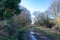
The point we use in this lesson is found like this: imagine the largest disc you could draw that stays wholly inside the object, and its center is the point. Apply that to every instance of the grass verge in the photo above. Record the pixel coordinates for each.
(48, 33)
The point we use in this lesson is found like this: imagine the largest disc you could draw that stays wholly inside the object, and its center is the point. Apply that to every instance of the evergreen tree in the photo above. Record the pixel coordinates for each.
(8, 8)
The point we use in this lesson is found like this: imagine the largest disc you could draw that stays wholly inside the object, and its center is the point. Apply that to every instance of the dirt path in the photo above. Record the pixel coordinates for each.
(35, 35)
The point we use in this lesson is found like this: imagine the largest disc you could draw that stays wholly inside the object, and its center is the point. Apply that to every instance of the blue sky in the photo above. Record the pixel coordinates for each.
(36, 5)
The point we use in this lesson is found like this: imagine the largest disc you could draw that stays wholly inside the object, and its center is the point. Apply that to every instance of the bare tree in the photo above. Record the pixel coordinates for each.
(23, 19)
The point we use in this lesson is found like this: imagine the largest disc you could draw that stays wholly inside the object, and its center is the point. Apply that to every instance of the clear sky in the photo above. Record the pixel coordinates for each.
(36, 5)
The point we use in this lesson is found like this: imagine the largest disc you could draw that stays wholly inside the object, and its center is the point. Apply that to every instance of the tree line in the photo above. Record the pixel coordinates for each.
(50, 18)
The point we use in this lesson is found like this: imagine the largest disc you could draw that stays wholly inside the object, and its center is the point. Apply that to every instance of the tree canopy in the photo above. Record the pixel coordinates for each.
(8, 8)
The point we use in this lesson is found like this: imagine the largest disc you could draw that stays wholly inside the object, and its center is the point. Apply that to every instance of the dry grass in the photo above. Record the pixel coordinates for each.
(48, 32)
